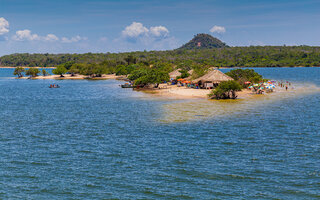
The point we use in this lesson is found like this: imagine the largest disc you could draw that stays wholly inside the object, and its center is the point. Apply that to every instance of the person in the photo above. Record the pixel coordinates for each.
(286, 87)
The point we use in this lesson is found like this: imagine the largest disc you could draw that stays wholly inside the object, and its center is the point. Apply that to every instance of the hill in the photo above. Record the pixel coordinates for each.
(204, 41)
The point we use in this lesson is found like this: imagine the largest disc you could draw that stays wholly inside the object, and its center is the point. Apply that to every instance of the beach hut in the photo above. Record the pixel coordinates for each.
(174, 74)
(212, 79)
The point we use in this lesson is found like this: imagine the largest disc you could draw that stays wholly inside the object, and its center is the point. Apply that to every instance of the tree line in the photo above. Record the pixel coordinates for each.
(253, 56)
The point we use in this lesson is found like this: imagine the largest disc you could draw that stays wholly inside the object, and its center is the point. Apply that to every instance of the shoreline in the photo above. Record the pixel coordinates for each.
(8, 67)
(174, 92)
(77, 77)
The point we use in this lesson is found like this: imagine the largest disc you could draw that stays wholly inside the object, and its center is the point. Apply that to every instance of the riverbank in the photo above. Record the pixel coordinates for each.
(78, 77)
(8, 67)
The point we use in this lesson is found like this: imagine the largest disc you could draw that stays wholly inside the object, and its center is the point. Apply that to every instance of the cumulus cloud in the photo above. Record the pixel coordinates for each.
(51, 38)
(137, 29)
(218, 29)
(134, 30)
(4, 26)
(73, 39)
(27, 35)
(159, 31)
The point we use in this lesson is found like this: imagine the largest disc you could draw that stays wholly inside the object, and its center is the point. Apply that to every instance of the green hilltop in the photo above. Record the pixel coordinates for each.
(204, 41)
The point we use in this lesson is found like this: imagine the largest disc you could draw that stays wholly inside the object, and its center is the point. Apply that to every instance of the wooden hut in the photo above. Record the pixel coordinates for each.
(174, 74)
(212, 79)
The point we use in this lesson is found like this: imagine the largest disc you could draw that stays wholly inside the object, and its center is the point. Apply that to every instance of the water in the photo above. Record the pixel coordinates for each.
(94, 140)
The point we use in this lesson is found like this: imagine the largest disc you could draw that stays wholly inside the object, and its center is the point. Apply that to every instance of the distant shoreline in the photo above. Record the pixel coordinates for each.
(7, 67)
(77, 77)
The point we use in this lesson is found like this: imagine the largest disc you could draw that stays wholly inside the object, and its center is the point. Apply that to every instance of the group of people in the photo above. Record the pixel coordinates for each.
(285, 84)
(54, 86)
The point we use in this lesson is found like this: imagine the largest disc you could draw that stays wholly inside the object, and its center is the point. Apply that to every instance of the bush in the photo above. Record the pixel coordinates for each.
(32, 72)
(18, 71)
(226, 90)
(244, 75)
(60, 70)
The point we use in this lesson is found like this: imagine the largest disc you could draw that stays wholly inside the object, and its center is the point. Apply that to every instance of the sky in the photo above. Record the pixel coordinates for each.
(80, 26)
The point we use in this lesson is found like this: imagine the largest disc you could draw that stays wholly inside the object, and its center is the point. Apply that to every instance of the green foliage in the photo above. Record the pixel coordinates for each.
(243, 75)
(253, 56)
(146, 76)
(45, 73)
(32, 72)
(138, 73)
(226, 90)
(18, 71)
(184, 74)
(131, 59)
(60, 70)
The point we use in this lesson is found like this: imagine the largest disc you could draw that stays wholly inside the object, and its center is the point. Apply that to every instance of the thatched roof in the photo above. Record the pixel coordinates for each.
(214, 76)
(190, 71)
(174, 74)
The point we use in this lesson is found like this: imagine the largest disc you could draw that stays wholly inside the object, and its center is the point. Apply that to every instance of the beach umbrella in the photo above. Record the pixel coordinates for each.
(250, 87)
(247, 82)
(180, 79)
(256, 85)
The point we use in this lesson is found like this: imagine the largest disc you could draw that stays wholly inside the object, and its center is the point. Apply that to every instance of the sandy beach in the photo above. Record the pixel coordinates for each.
(175, 92)
(78, 77)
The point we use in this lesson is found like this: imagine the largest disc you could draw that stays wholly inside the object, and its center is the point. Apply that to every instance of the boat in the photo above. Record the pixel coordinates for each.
(54, 86)
(127, 85)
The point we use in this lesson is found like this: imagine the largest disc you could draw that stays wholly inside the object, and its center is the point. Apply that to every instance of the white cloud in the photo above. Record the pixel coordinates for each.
(73, 39)
(159, 31)
(137, 29)
(4, 26)
(51, 38)
(218, 29)
(25, 35)
(134, 30)
(136, 36)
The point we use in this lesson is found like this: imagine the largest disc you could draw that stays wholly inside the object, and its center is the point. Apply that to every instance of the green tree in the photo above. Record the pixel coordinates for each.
(60, 70)
(32, 72)
(226, 90)
(243, 75)
(18, 71)
(151, 77)
(45, 73)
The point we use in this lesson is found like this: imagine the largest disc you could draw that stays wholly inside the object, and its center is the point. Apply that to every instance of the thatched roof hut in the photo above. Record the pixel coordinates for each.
(174, 74)
(214, 76)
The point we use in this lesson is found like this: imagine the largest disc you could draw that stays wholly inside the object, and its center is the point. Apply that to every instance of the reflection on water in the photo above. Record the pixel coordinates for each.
(200, 109)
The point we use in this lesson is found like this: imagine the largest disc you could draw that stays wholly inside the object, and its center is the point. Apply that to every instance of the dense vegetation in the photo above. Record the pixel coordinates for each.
(268, 56)
(244, 75)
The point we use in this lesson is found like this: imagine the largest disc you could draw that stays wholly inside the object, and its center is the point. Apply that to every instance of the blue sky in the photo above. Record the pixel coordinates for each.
(78, 26)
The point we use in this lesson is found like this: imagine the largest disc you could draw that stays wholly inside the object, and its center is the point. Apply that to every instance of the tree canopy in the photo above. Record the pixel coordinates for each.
(226, 90)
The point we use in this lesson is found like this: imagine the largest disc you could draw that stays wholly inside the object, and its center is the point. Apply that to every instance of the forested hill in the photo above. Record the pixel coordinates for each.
(258, 56)
(204, 41)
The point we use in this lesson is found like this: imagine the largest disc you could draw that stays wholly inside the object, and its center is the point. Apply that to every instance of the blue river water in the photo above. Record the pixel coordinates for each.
(94, 140)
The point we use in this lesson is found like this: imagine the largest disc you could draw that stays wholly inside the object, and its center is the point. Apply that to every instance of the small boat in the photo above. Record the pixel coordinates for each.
(54, 86)
(127, 85)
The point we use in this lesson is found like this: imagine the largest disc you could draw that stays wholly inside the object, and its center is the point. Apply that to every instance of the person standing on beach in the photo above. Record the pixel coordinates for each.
(286, 87)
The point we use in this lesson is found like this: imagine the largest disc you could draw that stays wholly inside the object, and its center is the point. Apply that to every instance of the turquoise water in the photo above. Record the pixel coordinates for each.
(94, 140)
